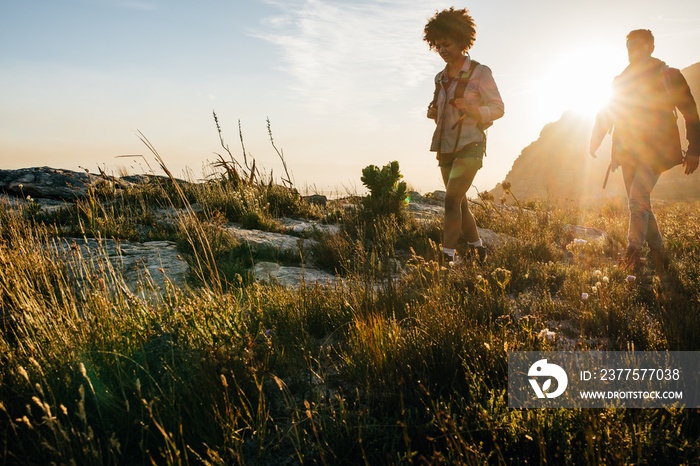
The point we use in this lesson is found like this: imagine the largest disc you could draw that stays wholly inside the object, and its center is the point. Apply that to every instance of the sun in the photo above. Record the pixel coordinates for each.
(579, 81)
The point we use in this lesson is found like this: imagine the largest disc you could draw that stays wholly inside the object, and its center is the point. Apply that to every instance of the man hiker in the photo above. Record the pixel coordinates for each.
(645, 140)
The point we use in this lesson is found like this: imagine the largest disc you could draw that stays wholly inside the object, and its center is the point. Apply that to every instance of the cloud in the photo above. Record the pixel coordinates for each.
(344, 56)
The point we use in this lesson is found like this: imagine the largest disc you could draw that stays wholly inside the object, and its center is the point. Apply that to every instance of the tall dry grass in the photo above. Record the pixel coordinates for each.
(401, 361)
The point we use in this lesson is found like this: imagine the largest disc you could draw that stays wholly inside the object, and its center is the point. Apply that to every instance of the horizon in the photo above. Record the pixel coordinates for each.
(344, 84)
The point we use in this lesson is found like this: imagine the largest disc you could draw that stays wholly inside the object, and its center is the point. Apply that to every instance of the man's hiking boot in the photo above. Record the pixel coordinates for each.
(631, 260)
(658, 258)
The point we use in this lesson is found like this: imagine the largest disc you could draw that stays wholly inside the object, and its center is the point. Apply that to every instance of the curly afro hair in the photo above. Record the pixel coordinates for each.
(457, 25)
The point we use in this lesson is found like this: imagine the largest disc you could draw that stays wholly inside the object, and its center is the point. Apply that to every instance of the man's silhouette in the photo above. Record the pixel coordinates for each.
(646, 140)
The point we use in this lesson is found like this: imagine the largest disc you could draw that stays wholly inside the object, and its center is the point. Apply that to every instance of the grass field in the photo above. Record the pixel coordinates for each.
(401, 362)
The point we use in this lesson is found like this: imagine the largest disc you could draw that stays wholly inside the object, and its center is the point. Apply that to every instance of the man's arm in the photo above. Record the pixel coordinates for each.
(683, 99)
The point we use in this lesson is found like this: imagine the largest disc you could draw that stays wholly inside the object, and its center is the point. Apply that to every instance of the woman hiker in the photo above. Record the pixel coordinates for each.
(466, 102)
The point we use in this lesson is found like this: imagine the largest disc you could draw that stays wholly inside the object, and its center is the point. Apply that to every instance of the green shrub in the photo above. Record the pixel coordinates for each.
(387, 195)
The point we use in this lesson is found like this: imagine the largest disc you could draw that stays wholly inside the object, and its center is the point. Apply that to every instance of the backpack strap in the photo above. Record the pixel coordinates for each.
(464, 78)
(666, 78)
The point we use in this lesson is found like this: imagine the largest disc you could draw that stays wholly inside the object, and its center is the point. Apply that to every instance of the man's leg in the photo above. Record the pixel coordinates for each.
(639, 182)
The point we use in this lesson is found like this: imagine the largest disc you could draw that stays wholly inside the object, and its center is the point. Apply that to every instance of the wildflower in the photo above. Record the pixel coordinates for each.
(594, 289)
(630, 278)
(598, 284)
(504, 320)
(584, 296)
(545, 334)
(597, 273)
(606, 280)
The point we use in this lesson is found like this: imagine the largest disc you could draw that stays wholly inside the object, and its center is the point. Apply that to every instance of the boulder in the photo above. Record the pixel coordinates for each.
(415, 196)
(317, 199)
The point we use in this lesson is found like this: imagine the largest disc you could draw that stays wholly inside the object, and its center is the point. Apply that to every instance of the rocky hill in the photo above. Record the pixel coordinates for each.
(557, 165)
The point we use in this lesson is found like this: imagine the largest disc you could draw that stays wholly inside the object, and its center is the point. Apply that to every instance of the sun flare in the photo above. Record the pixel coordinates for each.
(579, 81)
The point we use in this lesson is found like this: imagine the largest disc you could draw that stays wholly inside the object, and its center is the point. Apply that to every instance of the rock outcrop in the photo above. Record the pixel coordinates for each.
(45, 182)
(60, 184)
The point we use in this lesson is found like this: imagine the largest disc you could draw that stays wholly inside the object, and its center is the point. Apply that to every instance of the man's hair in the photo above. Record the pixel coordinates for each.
(644, 35)
(456, 25)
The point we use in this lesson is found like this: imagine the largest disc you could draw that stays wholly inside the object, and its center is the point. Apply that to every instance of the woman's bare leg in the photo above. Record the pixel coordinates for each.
(458, 179)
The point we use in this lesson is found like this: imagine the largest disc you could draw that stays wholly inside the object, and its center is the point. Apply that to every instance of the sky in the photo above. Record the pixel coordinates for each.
(344, 84)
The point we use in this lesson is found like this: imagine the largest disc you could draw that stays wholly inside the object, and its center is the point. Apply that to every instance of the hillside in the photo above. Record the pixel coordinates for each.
(557, 165)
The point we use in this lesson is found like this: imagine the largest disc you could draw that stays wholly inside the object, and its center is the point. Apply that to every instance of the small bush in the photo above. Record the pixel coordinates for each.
(387, 195)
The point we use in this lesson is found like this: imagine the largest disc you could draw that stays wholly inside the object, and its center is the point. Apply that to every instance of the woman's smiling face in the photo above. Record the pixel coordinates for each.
(449, 50)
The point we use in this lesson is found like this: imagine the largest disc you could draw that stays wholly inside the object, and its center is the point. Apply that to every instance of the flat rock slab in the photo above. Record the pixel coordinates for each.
(136, 262)
(278, 241)
(289, 275)
(491, 239)
(303, 227)
(425, 212)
